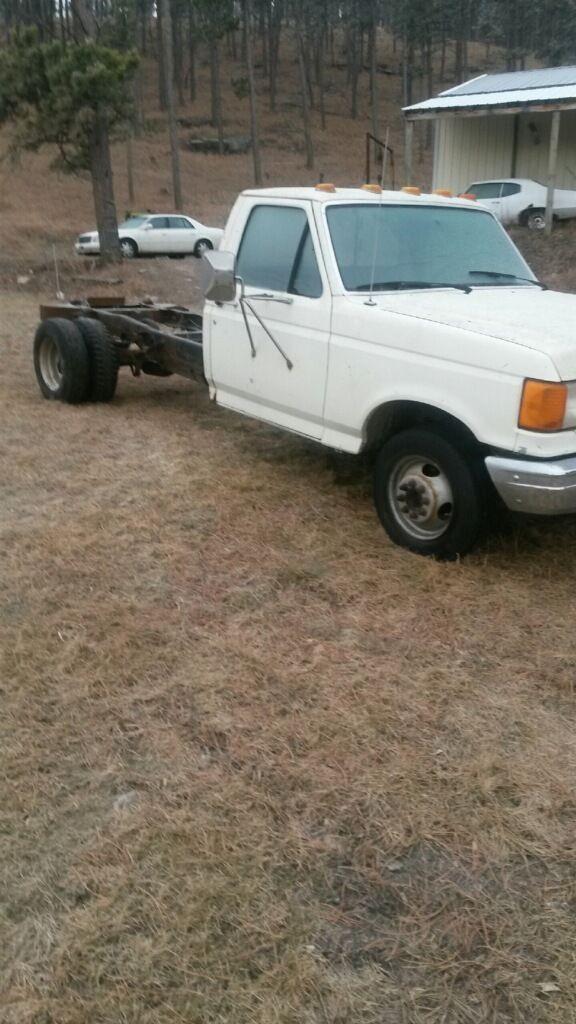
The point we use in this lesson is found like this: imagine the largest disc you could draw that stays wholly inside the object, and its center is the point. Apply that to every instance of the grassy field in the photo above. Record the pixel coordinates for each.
(258, 765)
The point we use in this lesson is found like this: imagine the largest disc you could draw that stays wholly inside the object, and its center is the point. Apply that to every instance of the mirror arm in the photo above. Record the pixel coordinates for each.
(247, 325)
(246, 302)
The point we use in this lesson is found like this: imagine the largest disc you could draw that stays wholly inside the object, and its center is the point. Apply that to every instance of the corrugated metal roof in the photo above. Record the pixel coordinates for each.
(541, 78)
(514, 88)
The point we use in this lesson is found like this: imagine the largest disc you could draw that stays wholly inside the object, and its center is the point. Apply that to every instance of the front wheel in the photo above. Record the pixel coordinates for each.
(128, 248)
(204, 245)
(431, 494)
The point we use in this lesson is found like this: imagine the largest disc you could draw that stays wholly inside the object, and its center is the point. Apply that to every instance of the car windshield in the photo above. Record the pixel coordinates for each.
(133, 222)
(396, 246)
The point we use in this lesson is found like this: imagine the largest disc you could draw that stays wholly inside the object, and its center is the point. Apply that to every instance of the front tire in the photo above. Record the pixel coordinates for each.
(128, 248)
(431, 494)
(61, 361)
(204, 245)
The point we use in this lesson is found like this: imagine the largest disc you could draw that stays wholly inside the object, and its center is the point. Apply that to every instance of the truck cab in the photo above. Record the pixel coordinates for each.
(408, 324)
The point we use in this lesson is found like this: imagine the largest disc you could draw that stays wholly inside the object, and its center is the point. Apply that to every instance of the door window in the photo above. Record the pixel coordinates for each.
(159, 223)
(486, 190)
(179, 222)
(277, 254)
(510, 188)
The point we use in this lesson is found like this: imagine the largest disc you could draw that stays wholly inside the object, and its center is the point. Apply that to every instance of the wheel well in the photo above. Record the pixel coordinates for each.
(393, 417)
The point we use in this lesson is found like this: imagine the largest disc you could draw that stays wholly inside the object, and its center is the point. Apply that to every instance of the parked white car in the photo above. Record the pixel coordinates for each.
(522, 201)
(157, 235)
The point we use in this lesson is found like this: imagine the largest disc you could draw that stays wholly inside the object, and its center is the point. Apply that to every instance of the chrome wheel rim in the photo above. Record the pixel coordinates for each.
(127, 250)
(51, 364)
(202, 247)
(421, 497)
(537, 223)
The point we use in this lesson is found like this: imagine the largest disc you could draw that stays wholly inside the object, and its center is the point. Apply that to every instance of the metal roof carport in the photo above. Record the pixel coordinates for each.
(514, 113)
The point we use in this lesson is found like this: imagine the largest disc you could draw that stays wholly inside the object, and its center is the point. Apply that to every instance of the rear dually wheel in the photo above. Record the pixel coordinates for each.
(61, 361)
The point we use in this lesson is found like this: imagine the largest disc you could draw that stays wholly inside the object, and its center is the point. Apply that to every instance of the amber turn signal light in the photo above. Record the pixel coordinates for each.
(543, 405)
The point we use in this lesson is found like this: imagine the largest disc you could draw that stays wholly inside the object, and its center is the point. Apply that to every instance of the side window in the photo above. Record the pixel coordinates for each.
(276, 252)
(179, 222)
(159, 223)
(511, 188)
(486, 190)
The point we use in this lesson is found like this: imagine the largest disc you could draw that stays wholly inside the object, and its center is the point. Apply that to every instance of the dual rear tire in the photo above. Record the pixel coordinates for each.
(75, 361)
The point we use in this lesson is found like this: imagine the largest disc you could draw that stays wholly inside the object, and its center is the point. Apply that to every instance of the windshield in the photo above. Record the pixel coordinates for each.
(425, 246)
(133, 222)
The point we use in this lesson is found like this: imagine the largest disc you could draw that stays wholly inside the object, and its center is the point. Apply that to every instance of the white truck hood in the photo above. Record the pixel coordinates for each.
(527, 316)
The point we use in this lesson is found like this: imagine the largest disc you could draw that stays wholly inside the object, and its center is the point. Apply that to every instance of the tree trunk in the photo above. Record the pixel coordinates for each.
(305, 108)
(252, 88)
(192, 53)
(103, 189)
(164, 7)
(178, 51)
(374, 106)
(320, 71)
(216, 92)
(162, 86)
(130, 173)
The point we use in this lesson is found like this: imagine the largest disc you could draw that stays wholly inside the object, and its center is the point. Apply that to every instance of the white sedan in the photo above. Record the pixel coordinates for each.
(523, 201)
(157, 235)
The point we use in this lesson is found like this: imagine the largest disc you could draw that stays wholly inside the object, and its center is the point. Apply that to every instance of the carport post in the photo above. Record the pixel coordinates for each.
(552, 161)
(408, 138)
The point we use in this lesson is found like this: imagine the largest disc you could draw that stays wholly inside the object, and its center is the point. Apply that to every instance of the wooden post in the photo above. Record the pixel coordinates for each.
(552, 162)
(515, 136)
(408, 140)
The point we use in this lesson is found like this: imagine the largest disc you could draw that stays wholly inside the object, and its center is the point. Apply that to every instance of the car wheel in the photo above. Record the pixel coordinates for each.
(536, 220)
(431, 495)
(204, 245)
(128, 248)
(61, 361)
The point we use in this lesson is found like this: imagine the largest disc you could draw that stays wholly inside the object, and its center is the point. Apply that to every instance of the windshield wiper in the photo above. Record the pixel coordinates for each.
(511, 277)
(399, 285)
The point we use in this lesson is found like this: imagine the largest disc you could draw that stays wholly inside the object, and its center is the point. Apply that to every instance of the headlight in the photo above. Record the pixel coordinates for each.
(548, 406)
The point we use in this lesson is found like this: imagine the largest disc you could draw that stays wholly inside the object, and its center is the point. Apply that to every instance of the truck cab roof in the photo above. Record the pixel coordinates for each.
(358, 194)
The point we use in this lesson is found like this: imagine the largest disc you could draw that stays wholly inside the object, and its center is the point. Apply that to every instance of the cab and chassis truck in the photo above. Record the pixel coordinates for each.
(367, 320)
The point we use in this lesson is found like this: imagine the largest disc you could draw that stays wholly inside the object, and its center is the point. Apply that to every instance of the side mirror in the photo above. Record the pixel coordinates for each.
(218, 275)
(147, 227)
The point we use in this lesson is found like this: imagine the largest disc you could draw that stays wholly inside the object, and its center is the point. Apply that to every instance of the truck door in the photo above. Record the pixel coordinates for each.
(154, 238)
(279, 374)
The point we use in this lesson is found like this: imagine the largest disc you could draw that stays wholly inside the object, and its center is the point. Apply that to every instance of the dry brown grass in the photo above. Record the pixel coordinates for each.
(258, 765)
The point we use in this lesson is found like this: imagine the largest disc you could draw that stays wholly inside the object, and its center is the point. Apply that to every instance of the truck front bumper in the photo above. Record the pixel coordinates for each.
(535, 487)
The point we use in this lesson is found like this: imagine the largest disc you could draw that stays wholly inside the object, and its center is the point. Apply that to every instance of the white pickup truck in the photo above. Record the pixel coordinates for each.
(399, 323)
